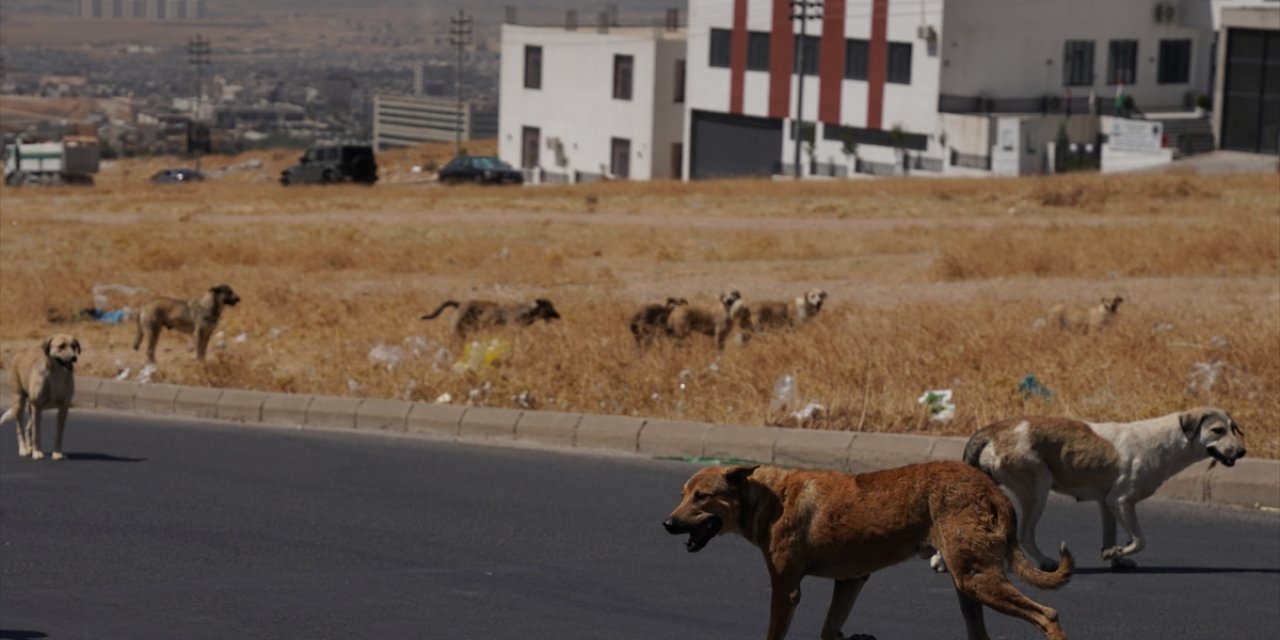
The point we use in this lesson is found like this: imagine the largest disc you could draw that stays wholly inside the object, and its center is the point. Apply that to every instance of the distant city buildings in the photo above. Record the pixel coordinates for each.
(143, 9)
(402, 121)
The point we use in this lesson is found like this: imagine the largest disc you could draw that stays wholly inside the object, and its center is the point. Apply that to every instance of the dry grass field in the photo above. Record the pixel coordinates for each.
(933, 284)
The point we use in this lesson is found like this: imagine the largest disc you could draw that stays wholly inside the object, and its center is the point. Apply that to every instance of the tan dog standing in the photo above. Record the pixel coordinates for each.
(1085, 319)
(1114, 464)
(42, 379)
(777, 314)
(686, 320)
(198, 317)
(475, 315)
(845, 527)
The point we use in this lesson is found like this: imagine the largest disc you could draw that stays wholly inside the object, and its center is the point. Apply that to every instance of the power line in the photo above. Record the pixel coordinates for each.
(460, 37)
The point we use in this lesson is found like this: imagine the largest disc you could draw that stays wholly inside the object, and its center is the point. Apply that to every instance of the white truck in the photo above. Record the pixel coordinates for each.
(74, 160)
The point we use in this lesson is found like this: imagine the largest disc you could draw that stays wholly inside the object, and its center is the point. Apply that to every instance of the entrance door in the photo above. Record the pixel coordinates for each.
(620, 155)
(532, 139)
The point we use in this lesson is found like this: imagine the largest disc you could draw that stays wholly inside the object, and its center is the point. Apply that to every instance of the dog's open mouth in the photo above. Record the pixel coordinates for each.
(1217, 455)
(702, 534)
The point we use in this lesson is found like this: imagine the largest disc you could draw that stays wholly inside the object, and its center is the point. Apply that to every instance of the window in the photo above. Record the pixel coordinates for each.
(1175, 62)
(532, 67)
(1077, 63)
(899, 63)
(1122, 65)
(620, 158)
(757, 51)
(855, 59)
(622, 72)
(807, 47)
(680, 74)
(719, 56)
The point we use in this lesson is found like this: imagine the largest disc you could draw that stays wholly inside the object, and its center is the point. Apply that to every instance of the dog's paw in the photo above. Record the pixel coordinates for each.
(937, 563)
(57, 455)
(24, 453)
(1122, 564)
(1112, 553)
(37, 454)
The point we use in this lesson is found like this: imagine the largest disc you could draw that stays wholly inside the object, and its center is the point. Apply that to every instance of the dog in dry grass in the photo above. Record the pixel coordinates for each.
(476, 315)
(686, 320)
(1115, 464)
(42, 379)
(845, 527)
(1084, 319)
(778, 314)
(651, 320)
(198, 317)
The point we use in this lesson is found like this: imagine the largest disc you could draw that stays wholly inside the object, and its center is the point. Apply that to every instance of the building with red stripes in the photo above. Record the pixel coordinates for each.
(934, 86)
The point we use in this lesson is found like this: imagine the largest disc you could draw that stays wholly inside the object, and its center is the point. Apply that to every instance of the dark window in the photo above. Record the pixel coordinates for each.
(1077, 63)
(1175, 62)
(808, 47)
(530, 142)
(532, 67)
(622, 71)
(620, 158)
(680, 74)
(757, 51)
(719, 56)
(855, 59)
(1122, 63)
(899, 63)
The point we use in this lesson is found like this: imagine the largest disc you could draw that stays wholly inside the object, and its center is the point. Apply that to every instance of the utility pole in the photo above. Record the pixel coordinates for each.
(198, 50)
(802, 11)
(460, 37)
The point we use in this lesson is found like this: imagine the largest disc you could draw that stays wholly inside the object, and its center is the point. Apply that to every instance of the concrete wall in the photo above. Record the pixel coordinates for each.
(576, 106)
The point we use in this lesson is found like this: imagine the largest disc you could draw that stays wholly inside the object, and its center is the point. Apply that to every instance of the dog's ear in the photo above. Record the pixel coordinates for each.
(47, 346)
(736, 476)
(75, 346)
(1190, 422)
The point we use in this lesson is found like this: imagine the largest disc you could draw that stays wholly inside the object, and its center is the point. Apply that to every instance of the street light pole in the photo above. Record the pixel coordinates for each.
(460, 37)
(198, 50)
(800, 10)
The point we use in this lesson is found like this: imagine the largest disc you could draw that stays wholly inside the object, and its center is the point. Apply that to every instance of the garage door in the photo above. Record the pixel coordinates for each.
(729, 146)
(1251, 101)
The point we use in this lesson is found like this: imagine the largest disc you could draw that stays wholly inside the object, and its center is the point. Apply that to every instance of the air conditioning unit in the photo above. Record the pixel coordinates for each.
(926, 32)
(1166, 12)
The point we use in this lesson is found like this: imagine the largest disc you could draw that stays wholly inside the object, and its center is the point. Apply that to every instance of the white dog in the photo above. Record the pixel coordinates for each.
(42, 379)
(1114, 464)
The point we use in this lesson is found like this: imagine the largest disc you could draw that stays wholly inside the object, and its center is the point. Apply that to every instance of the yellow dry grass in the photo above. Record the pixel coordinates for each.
(934, 284)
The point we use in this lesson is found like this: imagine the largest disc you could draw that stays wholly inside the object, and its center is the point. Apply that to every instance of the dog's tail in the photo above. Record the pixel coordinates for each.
(974, 447)
(1025, 568)
(445, 305)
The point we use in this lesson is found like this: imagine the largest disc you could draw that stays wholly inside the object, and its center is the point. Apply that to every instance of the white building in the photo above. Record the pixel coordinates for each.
(579, 104)
(402, 121)
(942, 86)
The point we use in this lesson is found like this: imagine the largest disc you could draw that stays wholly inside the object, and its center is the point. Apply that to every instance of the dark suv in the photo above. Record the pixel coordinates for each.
(330, 163)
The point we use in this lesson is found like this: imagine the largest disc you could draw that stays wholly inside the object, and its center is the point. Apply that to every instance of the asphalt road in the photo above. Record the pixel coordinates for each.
(189, 530)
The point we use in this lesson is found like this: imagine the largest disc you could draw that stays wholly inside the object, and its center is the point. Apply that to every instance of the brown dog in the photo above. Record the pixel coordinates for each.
(475, 315)
(42, 379)
(777, 314)
(198, 317)
(686, 320)
(845, 527)
(651, 320)
(1084, 319)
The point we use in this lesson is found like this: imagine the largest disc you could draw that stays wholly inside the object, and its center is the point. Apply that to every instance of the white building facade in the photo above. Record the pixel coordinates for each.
(940, 86)
(582, 104)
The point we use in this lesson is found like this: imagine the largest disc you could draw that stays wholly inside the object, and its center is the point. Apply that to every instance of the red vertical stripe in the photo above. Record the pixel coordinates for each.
(877, 62)
(831, 62)
(738, 56)
(782, 42)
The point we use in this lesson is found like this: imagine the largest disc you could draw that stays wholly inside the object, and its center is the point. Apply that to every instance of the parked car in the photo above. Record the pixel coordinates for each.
(177, 176)
(479, 169)
(327, 164)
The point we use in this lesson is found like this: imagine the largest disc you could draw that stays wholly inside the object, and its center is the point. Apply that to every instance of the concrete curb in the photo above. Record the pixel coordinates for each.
(1253, 483)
